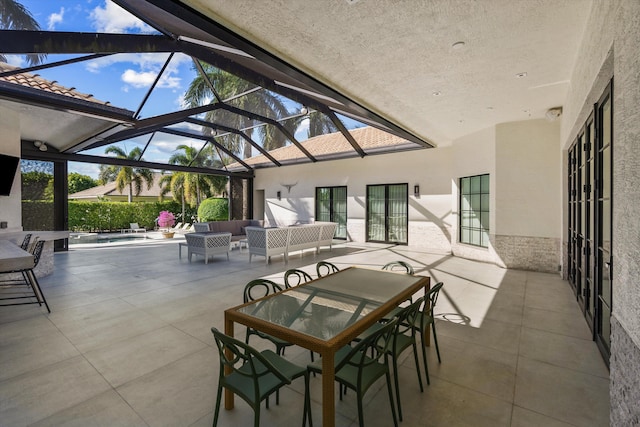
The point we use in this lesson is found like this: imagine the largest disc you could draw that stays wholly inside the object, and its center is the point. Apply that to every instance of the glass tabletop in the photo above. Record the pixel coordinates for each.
(326, 307)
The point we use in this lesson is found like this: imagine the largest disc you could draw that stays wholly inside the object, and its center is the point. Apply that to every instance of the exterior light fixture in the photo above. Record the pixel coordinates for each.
(40, 145)
(416, 190)
(279, 195)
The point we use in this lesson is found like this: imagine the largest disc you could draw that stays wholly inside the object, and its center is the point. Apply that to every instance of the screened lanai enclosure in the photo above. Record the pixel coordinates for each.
(239, 101)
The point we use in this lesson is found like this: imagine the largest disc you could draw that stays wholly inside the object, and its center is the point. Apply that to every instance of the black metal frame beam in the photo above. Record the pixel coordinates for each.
(20, 42)
(237, 132)
(152, 124)
(30, 152)
(210, 140)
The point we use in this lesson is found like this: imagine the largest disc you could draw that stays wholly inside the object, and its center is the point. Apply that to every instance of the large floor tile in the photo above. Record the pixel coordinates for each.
(556, 322)
(476, 367)
(43, 392)
(567, 352)
(496, 335)
(447, 404)
(562, 394)
(129, 359)
(179, 393)
(526, 418)
(106, 410)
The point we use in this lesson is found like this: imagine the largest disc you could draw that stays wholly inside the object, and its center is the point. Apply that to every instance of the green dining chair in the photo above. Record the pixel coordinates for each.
(255, 375)
(324, 268)
(425, 318)
(256, 289)
(357, 370)
(403, 337)
(295, 277)
(399, 265)
(395, 266)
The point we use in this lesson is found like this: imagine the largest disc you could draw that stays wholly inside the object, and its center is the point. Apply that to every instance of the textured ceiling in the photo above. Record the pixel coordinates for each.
(397, 57)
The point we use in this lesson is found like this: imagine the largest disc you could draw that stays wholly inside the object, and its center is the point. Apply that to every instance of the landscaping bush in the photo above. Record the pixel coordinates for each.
(214, 209)
(113, 216)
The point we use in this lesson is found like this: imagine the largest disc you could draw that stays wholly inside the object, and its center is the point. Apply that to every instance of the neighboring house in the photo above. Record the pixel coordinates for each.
(109, 192)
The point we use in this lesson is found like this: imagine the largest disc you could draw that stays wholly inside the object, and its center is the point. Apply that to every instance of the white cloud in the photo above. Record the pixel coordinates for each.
(55, 18)
(113, 19)
(302, 133)
(140, 79)
(16, 60)
(90, 169)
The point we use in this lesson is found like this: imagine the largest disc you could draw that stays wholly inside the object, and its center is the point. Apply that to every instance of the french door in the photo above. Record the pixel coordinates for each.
(387, 213)
(589, 222)
(331, 205)
(604, 110)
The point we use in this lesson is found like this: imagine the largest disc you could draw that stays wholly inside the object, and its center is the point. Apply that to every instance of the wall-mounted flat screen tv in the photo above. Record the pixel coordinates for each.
(8, 167)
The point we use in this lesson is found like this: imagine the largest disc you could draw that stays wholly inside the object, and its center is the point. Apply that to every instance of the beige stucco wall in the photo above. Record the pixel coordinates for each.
(473, 154)
(513, 154)
(430, 213)
(11, 206)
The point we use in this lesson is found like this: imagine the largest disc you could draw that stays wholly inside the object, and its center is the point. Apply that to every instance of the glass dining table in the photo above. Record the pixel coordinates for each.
(326, 314)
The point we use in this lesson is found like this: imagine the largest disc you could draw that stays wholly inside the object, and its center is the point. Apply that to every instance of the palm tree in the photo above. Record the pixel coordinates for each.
(261, 102)
(127, 176)
(188, 187)
(14, 16)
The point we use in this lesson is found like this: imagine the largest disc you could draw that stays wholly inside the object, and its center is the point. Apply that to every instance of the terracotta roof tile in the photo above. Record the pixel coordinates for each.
(368, 138)
(36, 82)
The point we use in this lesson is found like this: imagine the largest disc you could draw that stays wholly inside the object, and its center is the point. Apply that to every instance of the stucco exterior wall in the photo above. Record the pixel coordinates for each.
(610, 49)
(528, 194)
(474, 154)
(522, 158)
(430, 215)
(11, 206)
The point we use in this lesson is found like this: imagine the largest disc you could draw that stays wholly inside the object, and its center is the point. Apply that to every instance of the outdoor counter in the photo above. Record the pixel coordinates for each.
(45, 266)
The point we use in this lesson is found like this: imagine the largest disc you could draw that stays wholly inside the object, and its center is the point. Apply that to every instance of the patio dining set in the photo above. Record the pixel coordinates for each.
(359, 320)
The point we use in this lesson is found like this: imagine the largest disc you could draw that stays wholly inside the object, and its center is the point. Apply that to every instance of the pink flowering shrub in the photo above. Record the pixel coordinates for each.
(166, 219)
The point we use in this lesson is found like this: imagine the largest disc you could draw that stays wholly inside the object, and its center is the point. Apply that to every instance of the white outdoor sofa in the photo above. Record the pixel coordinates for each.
(208, 244)
(283, 240)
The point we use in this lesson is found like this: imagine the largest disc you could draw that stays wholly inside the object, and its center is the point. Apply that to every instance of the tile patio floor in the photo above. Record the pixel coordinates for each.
(128, 343)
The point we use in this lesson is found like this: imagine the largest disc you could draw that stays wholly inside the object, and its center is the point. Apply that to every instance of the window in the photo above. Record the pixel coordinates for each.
(387, 213)
(474, 210)
(331, 205)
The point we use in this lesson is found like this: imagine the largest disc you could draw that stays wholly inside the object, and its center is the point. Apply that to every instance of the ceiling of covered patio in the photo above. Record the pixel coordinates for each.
(426, 72)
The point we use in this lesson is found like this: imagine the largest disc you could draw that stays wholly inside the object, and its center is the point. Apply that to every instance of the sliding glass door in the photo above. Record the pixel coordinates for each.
(387, 213)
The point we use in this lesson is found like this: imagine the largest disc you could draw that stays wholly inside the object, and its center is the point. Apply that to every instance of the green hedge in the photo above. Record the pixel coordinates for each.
(112, 216)
(100, 216)
(214, 209)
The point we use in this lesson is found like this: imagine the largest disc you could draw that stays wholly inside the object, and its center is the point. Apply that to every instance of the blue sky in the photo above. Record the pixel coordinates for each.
(124, 79)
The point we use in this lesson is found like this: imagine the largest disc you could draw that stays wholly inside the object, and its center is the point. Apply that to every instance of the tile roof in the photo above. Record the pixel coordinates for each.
(36, 82)
(109, 189)
(370, 139)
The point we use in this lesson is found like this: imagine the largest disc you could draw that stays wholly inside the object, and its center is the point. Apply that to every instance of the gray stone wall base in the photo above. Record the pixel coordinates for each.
(527, 253)
(625, 377)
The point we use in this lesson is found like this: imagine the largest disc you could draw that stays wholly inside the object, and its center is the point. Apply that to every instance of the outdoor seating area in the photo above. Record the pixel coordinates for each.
(270, 241)
(132, 344)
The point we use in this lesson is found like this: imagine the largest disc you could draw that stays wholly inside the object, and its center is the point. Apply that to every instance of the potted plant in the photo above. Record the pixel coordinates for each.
(166, 220)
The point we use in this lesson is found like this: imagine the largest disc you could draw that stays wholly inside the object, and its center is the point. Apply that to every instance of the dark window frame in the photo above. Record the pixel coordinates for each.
(481, 211)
